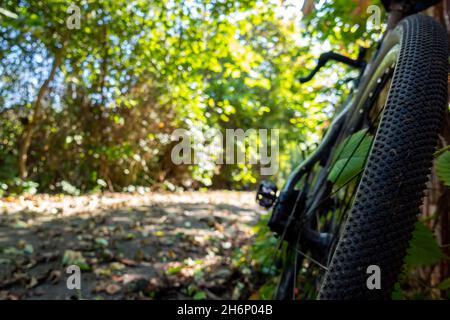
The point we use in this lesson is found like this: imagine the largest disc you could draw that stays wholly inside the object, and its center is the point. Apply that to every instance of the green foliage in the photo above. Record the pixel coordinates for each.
(260, 258)
(71, 257)
(443, 167)
(16, 186)
(9, 134)
(265, 292)
(423, 250)
(445, 284)
(350, 157)
(69, 189)
(343, 22)
(132, 74)
(264, 246)
(397, 293)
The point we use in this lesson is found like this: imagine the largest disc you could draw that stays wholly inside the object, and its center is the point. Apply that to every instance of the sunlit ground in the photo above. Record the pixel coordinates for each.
(153, 245)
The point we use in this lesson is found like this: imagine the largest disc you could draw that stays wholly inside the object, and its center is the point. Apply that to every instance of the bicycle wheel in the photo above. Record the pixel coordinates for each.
(371, 216)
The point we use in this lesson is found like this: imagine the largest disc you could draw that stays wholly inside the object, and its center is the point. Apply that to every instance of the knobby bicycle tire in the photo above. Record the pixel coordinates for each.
(388, 199)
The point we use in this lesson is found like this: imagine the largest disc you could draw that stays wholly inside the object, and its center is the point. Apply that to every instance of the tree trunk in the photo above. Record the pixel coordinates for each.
(308, 7)
(28, 131)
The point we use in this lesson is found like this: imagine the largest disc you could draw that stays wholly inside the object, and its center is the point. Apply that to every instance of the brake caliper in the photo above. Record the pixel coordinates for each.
(280, 221)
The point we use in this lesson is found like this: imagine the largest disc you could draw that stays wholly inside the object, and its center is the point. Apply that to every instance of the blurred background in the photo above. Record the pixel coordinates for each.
(92, 106)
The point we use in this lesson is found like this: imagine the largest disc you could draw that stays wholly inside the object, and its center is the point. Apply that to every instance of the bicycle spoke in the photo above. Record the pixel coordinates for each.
(290, 219)
(346, 163)
(313, 260)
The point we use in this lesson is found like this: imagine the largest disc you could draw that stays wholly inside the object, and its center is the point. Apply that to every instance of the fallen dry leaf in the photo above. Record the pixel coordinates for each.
(112, 288)
(33, 282)
(54, 276)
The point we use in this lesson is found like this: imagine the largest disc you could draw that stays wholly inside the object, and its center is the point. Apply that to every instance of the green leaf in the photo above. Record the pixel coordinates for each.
(20, 225)
(8, 13)
(350, 157)
(423, 250)
(28, 248)
(443, 167)
(199, 296)
(101, 242)
(71, 257)
(174, 270)
(397, 294)
(441, 151)
(444, 285)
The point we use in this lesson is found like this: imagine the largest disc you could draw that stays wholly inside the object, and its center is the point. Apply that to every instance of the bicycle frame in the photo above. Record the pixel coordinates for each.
(348, 120)
(399, 10)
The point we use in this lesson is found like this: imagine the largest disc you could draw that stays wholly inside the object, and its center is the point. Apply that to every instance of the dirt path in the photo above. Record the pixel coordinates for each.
(155, 245)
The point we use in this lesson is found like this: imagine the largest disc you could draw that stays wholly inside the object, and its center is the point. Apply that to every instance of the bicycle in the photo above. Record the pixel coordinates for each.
(352, 204)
